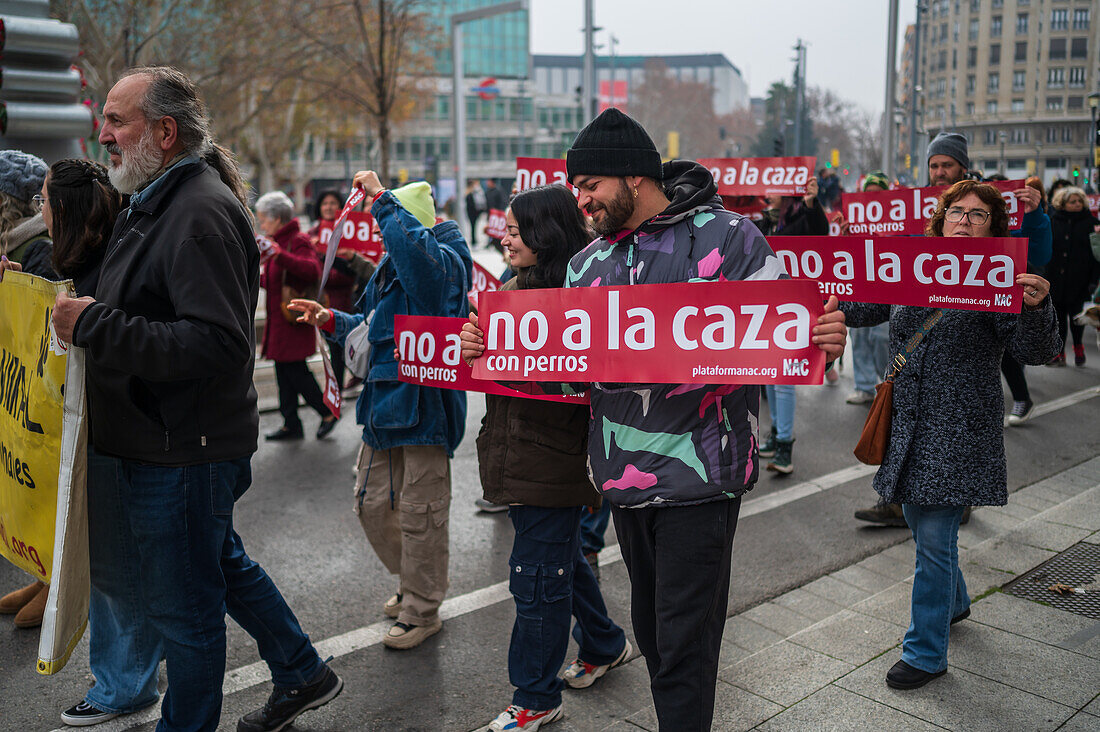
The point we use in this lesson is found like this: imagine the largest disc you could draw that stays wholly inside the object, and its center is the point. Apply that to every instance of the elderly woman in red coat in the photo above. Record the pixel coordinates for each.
(292, 272)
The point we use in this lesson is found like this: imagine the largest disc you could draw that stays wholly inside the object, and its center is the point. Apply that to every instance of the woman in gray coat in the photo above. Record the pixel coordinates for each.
(946, 449)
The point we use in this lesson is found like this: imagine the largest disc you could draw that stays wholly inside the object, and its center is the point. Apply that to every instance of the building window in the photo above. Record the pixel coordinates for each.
(1052, 134)
(1059, 20)
(1054, 104)
(399, 149)
(954, 58)
(1081, 19)
(1019, 80)
(1079, 48)
(970, 109)
(955, 31)
(975, 5)
(1021, 52)
(991, 106)
(1067, 134)
(994, 54)
(994, 83)
(971, 57)
(1020, 135)
(991, 137)
(971, 83)
(998, 3)
(1017, 105)
(1056, 78)
(943, 60)
(1021, 24)
(1075, 103)
(1077, 77)
(995, 26)
(972, 30)
(1057, 49)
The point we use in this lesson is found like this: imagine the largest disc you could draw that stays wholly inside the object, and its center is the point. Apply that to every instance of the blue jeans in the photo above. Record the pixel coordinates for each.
(939, 592)
(594, 528)
(781, 408)
(552, 583)
(124, 650)
(870, 355)
(192, 570)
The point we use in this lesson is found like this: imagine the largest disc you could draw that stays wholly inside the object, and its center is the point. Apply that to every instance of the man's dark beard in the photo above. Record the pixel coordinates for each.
(615, 213)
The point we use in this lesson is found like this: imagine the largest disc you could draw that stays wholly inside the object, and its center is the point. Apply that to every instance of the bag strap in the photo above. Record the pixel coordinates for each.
(913, 342)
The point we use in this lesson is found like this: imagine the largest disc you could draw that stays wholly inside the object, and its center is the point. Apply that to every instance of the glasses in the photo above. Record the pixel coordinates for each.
(39, 201)
(976, 216)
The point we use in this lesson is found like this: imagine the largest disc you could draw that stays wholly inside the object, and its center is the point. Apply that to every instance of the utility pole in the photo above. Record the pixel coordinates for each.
(799, 95)
(914, 87)
(588, 78)
(889, 147)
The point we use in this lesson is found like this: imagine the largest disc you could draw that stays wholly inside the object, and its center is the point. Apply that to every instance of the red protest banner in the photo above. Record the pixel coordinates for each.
(672, 333)
(904, 211)
(761, 176)
(359, 233)
(483, 281)
(333, 396)
(429, 351)
(961, 273)
(497, 226)
(533, 172)
(268, 248)
(1094, 204)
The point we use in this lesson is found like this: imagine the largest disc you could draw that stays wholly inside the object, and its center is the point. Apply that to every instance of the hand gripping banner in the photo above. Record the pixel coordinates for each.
(43, 447)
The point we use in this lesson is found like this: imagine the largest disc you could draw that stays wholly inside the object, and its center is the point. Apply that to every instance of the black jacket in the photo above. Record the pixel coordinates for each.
(170, 341)
(801, 221)
(1072, 271)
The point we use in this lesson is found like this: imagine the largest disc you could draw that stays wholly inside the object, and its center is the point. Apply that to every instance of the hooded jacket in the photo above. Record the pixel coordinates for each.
(425, 271)
(1072, 268)
(676, 444)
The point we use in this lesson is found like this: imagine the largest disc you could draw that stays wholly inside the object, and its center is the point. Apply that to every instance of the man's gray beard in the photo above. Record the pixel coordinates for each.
(138, 166)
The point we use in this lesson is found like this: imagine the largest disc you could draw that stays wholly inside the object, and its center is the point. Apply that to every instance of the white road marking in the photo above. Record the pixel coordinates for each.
(257, 673)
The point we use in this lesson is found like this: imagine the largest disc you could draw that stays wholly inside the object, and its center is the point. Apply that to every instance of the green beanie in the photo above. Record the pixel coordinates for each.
(416, 198)
(876, 178)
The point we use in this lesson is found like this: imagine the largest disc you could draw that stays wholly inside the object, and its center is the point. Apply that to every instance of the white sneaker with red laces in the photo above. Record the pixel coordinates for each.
(581, 675)
(518, 718)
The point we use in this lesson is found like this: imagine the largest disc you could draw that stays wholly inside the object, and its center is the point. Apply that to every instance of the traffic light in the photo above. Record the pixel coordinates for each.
(908, 161)
(1076, 173)
(834, 158)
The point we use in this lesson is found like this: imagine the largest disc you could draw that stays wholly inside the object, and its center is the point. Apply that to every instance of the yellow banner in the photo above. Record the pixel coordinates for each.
(32, 382)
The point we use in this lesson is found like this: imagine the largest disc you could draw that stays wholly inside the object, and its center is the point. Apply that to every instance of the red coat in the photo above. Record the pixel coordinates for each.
(297, 264)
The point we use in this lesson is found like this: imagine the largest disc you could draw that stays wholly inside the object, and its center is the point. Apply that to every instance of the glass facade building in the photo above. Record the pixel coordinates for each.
(494, 47)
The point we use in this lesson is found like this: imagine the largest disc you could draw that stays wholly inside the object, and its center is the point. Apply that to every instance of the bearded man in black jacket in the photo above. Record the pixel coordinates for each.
(170, 348)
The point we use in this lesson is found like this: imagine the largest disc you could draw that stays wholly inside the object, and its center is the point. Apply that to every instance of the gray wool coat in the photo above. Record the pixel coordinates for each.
(946, 438)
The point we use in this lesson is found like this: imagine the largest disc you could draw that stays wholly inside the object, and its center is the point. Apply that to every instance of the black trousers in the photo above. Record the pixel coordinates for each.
(1014, 375)
(294, 378)
(678, 559)
(336, 358)
(1065, 318)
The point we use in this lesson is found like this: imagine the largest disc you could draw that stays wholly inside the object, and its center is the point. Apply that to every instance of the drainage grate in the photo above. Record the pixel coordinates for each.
(1076, 567)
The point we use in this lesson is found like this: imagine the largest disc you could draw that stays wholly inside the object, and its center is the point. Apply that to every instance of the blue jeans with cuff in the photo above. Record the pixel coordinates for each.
(192, 570)
(870, 356)
(939, 591)
(551, 584)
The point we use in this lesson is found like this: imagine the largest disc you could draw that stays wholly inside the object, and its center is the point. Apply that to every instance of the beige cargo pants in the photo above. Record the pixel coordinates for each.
(403, 499)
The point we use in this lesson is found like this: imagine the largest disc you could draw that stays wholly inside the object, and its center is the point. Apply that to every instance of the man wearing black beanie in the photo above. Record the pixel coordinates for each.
(673, 459)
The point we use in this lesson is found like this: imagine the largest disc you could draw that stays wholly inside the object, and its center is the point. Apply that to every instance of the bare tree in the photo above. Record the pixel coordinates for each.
(664, 104)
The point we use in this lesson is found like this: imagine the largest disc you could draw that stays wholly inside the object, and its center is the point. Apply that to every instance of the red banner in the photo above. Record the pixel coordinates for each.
(429, 350)
(534, 172)
(904, 211)
(960, 273)
(268, 248)
(497, 227)
(483, 281)
(333, 396)
(359, 234)
(1094, 204)
(671, 333)
(761, 176)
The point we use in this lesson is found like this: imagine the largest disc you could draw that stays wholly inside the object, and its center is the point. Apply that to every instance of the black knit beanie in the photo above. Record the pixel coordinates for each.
(613, 144)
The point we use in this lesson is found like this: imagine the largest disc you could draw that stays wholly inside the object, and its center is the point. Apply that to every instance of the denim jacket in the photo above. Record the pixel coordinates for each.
(424, 272)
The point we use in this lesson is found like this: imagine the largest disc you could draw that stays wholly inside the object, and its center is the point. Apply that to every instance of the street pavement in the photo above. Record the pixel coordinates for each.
(818, 602)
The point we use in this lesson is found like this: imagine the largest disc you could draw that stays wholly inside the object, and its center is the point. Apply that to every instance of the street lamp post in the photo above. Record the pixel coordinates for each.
(1094, 102)
(459, 93)
(1002, 136)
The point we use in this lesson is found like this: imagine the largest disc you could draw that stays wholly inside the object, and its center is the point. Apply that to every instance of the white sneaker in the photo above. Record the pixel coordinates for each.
(581, 675)
(860, 397)
(518, 718)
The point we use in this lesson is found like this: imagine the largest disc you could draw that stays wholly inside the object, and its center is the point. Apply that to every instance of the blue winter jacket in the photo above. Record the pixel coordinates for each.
(424, 272)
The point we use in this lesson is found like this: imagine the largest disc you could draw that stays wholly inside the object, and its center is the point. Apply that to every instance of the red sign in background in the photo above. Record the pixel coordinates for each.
(360, 234)
(704, 332)
(905, 211)
(960, 273)
(429, 349)
(534, 172)
(497, 226)
(761, 176)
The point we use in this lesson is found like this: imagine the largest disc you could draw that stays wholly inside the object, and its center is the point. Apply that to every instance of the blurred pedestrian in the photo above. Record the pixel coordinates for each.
(1072, 271)
(169, 343)
(292, 273)
(23, 236)
(410, 432)
(475, 206)
(946, 447)
(531, 455)
(870, 346)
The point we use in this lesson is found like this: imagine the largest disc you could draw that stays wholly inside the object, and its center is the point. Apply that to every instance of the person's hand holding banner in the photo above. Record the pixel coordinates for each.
(368, 181)
(1028, 197)
(312, 312)
(66, 311)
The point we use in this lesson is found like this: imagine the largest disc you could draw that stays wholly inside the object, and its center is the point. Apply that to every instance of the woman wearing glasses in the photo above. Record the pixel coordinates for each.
(946, 449)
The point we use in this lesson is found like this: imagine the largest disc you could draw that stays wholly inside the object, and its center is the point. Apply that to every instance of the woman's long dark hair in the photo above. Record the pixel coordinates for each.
(552, 226)
(321, 199)
(83, 209)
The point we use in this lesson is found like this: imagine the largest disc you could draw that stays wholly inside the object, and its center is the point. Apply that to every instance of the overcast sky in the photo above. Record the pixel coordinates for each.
(846, 39)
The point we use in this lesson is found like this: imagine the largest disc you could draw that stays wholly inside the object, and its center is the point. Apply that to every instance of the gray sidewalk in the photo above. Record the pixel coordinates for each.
(816, 658)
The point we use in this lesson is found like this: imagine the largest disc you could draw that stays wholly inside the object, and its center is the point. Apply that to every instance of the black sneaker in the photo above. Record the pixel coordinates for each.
(284, 705)
(767, 448)
(85, 715)
(886, 514)
(1021, 410)
(781, 462)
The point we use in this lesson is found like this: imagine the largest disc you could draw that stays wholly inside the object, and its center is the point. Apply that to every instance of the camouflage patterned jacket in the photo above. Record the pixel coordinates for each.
(676, 444)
